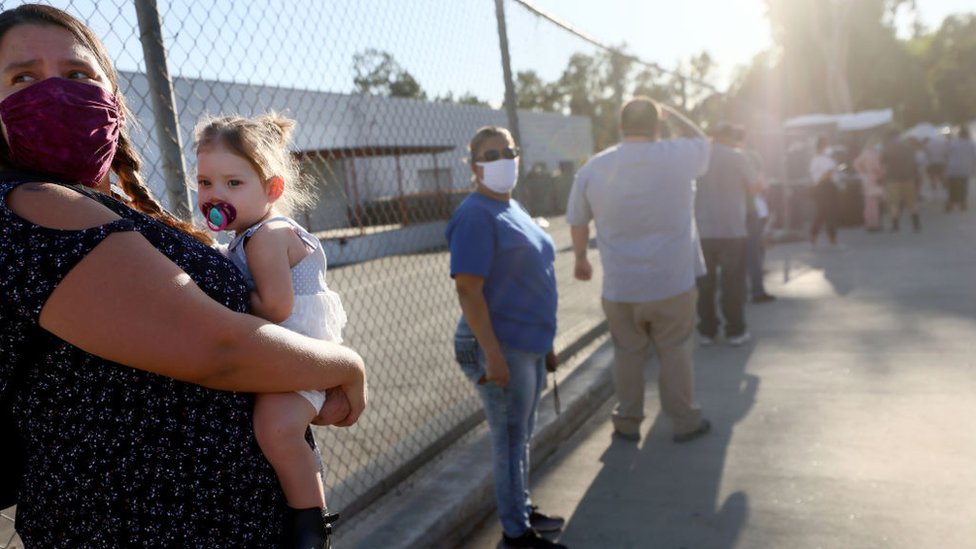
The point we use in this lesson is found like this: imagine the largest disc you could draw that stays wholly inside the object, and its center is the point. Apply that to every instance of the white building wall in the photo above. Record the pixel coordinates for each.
(331, 120)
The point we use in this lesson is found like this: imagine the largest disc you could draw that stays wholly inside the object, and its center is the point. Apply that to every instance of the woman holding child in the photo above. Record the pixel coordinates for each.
(126, 355)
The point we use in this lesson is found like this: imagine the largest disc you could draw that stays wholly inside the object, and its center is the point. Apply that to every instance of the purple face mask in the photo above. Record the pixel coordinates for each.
(64, 128)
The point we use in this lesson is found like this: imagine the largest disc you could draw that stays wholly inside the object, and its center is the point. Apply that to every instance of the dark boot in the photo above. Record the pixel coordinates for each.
(307, 529)
(916, 223)
(532, 539)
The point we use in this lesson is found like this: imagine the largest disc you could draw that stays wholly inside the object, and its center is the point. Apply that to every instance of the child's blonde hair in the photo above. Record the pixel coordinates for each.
(262, 141)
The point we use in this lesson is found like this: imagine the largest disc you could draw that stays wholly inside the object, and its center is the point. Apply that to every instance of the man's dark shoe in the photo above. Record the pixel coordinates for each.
(630, 437)
(703, 427)
(763, 298)
(532, 538)
(545, 523)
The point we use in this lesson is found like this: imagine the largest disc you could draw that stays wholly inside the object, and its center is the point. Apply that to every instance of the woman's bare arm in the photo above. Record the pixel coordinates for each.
(128, 303)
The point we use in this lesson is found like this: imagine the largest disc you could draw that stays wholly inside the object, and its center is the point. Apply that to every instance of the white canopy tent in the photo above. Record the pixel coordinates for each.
(926, 131)
(855, 121)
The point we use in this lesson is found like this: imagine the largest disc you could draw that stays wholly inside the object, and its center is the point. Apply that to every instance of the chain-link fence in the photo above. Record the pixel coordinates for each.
(386, 95)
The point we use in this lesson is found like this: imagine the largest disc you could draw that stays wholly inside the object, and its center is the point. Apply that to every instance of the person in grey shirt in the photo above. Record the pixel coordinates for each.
(960, 167)
(640, 195)
(936, 152)
(723, 200)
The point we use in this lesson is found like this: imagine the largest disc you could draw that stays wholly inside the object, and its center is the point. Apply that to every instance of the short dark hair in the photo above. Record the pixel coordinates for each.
(724, 130)
(640, 116)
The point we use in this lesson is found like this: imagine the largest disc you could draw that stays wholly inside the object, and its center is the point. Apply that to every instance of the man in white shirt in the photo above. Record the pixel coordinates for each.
(640, 195)
(825, 194)
(936, 153)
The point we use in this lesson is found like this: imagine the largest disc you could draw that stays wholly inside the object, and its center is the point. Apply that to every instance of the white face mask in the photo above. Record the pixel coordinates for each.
(500, 175)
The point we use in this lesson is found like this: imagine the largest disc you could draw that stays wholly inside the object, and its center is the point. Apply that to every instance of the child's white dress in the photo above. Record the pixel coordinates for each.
(317, 311)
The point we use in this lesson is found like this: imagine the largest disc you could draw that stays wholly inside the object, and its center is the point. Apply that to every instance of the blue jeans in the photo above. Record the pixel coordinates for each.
(511, 416)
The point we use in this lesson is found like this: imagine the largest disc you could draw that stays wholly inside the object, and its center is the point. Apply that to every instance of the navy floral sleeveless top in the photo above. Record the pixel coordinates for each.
(119, 457)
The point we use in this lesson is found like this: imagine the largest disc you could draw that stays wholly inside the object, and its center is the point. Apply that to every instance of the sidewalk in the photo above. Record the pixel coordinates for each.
(844, 424)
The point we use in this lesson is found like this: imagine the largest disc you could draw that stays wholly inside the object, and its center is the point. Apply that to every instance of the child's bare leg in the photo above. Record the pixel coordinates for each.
(280, 420)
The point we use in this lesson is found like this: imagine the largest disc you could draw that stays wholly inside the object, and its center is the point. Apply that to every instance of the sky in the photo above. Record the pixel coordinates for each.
(732, 31)
(449, 46)
(665, 32)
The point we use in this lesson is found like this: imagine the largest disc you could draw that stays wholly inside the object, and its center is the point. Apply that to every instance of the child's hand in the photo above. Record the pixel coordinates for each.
(335, 409)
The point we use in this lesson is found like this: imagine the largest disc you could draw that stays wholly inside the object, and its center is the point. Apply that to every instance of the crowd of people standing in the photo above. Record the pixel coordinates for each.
(180, 378)
(896, 172)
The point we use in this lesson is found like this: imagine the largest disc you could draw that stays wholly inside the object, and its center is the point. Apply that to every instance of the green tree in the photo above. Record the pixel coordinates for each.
(595, 86)
(654, 84)
(951, 60)
(835, 50)
(579, 84)
(535, 94)
(836, 57)
(378, 73)
(467, 98)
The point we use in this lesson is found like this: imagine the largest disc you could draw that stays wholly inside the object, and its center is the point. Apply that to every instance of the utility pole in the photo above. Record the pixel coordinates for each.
(511, 107)
(164, 108)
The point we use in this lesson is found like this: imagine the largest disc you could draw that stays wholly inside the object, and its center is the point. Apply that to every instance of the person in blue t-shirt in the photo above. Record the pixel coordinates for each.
(502, 265)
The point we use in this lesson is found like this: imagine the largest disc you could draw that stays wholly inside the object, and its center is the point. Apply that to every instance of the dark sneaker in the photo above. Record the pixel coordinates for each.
(545, 523)
(703, 427)
(763, 298)
(630, 437)
(531, 538)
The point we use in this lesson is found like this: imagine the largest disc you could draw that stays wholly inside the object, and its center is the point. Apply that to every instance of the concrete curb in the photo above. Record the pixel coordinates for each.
(444, 506)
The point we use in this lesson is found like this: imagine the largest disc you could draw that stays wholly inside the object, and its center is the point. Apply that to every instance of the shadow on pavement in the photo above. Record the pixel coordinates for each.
(656, 493)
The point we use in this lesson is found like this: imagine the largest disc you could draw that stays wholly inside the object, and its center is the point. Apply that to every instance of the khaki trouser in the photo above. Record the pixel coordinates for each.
(902, 196)
(667, 325)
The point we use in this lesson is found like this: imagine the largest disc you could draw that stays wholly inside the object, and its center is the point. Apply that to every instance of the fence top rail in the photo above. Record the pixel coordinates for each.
(378, 150)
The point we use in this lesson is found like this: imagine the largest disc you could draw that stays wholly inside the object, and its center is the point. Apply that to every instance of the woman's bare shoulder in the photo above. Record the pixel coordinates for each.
(57, 207)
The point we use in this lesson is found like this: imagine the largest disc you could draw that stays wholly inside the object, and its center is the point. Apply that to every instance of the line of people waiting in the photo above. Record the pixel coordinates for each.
(154, 345)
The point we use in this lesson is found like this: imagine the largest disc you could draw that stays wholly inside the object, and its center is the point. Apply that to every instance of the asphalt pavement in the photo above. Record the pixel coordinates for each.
(845, 423)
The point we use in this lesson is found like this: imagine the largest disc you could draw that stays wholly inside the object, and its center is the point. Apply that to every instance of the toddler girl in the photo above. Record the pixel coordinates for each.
(247, 183)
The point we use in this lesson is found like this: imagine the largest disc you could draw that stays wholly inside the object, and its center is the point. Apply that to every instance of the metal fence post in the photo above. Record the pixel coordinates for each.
(511, 106)
(164, 107)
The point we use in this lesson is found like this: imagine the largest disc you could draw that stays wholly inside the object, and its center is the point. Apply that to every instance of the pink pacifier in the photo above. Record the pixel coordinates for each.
(218, 215)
